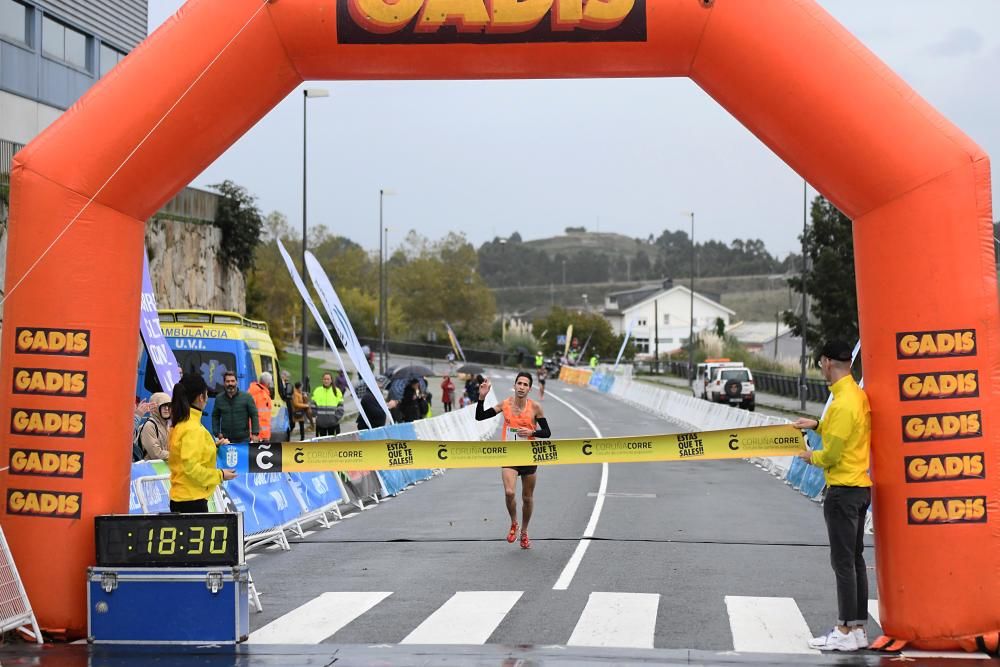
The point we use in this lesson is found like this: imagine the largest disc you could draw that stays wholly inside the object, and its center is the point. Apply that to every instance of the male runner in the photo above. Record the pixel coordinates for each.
(522, 420)
(543, 375)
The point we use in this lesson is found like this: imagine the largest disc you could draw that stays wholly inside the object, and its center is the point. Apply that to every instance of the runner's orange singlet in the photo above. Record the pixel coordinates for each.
(512, 422)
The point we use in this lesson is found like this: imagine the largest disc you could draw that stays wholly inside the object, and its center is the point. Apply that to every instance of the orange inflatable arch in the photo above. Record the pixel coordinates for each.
(917, 189)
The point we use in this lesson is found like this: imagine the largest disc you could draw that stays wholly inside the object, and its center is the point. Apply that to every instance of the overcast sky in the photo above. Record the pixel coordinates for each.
(674, 148)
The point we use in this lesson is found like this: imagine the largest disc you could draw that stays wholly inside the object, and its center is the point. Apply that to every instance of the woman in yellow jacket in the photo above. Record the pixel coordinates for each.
(193, 474)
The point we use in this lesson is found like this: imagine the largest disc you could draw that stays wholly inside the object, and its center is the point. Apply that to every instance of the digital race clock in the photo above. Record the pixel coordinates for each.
(169, 540)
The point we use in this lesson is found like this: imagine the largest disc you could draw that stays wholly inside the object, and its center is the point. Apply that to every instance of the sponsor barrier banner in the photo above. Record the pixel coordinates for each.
(360, 484)
(578, 376)
(157, 492)
(317, 489)
(762, 441)
(152, 335)
(265, 498)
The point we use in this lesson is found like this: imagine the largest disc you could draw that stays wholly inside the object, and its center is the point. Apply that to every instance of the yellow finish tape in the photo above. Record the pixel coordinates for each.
(738, 443)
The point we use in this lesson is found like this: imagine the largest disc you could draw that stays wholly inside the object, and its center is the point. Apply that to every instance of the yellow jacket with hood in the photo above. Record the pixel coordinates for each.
(193, 474)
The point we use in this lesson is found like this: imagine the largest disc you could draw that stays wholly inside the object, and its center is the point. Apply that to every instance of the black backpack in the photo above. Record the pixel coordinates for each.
(138, 452)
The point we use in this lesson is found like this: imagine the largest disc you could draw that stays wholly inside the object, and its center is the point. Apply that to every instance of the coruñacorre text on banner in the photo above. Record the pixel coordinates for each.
(423, 454)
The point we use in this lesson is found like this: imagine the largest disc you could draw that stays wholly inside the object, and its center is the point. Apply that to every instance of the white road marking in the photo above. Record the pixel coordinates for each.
(317, 619)
(768, 625)
(621, 494)
(469, 617)
(621, 620)
(251, 556)
(564, 580)
(913, 653)
(873, 611)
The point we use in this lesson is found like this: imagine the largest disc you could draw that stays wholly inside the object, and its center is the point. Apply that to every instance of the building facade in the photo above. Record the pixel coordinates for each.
(660, 316)
(53, 51)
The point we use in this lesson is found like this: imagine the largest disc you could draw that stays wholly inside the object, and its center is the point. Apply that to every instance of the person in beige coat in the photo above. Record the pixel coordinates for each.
(155, 432)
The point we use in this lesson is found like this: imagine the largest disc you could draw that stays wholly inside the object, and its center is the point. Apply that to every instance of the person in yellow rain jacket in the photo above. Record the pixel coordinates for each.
(193, 474)
(846, 430)
(329, 407)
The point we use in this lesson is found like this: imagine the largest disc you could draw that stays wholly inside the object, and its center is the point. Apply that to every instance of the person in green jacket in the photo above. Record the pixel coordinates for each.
(327, 399)
(234, 416)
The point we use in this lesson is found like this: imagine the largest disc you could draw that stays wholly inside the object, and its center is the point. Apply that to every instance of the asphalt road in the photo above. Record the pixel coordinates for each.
(672, 541)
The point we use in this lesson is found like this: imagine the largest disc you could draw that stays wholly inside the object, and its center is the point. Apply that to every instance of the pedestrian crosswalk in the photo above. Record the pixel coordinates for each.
(609, 619)
(617, 620)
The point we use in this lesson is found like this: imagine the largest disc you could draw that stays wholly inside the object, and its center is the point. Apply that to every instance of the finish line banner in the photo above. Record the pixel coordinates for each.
(335, 455)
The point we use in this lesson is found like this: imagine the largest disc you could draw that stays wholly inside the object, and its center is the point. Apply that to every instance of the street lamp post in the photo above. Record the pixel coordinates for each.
(383, 283)
(805, 302)
(306, 94)
(691, 318)
(381, 287)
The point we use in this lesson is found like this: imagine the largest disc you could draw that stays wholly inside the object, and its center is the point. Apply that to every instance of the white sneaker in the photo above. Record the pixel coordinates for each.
(835, 640)
(860, 636)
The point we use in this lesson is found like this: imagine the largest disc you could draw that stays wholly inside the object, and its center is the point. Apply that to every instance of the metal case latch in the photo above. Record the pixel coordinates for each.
(109, 581)
(213, 581)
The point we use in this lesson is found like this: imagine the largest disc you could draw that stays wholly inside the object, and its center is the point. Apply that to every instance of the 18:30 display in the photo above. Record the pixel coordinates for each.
(165, 540)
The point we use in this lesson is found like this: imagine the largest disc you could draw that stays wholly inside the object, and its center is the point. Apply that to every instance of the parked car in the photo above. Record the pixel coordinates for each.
(733, 385)
(705, 371)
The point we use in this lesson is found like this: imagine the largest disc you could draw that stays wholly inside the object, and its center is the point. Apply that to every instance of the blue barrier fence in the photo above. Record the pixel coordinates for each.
(266, 500)
(317, 489)
(271, 501)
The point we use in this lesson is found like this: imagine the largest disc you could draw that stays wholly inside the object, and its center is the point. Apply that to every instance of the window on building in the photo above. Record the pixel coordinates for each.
(666, 318)
(641, 323)
(14, 18)
(642, 345)
(64, 43)
(109, 58)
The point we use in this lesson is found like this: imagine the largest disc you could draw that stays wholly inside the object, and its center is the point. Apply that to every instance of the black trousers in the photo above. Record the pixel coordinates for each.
(189, 506)
(330, 430)
(844, 509)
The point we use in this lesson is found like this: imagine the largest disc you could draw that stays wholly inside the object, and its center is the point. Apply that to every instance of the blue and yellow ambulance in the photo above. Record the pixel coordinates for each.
(213, 342)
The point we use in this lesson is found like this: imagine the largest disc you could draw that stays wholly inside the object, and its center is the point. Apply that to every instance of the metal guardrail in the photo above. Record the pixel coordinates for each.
(788, 385)
(431, 351)
(769, 383)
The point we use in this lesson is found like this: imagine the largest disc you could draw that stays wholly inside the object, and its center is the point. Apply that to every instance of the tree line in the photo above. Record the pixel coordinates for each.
(511, 261)
(430, 281)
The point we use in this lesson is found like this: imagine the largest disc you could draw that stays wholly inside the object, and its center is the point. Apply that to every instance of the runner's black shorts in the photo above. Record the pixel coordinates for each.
(523, 470)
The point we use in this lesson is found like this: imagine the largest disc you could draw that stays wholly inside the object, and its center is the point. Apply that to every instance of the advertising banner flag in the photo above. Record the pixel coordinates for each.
(152, 335)
(454, 342)
(583, 351)
(569, 339)
(338, 316)
(398, 454)
(628, 334)
(297, 279)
